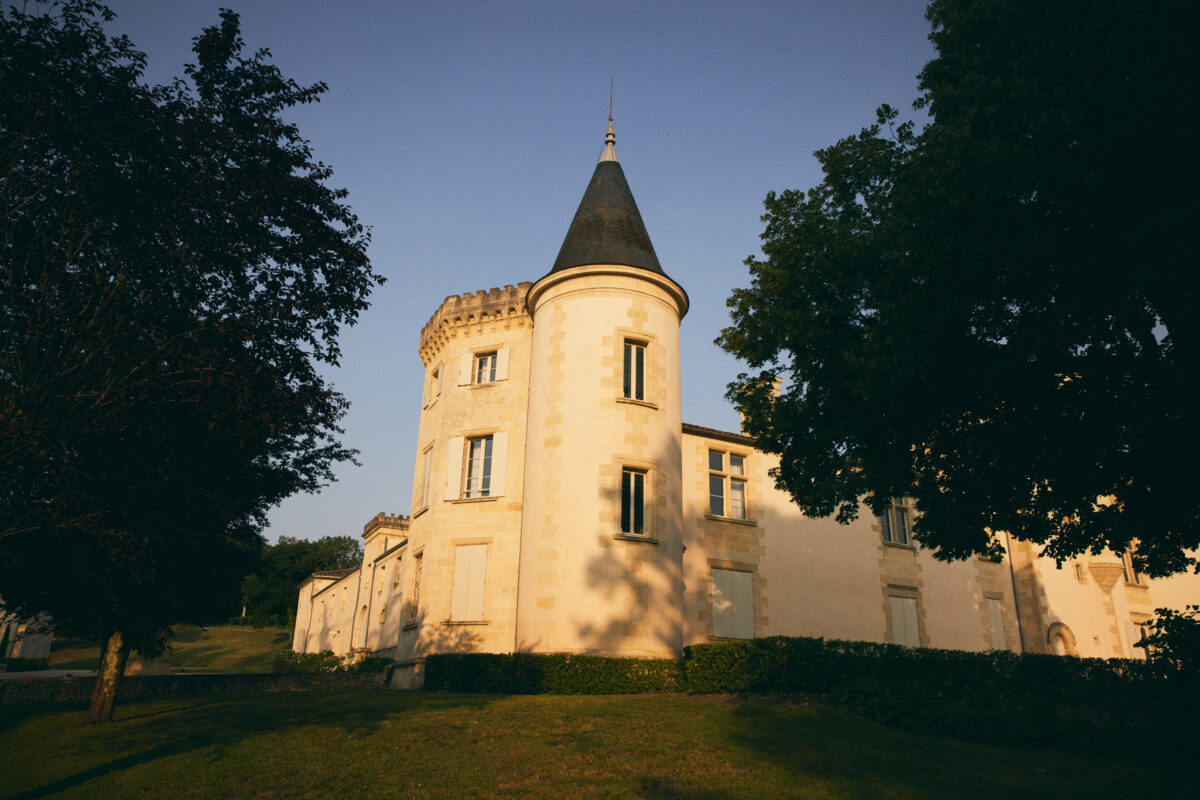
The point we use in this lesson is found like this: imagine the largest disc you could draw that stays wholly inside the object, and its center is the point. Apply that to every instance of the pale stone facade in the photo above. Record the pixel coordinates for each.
(560, 503)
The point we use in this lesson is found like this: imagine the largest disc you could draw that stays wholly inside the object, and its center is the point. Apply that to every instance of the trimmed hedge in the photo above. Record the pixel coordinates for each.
(555, 673)
(18, 664)
(993, 696)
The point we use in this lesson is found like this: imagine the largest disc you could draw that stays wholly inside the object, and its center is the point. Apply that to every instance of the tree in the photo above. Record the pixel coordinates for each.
(174, 267)
(996, 315)
(269, 593)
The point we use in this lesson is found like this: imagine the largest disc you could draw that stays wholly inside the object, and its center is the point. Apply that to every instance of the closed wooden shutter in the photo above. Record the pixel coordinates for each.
(470, 567)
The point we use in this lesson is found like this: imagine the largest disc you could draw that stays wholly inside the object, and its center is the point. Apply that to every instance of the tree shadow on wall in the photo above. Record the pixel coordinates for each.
(637, 582)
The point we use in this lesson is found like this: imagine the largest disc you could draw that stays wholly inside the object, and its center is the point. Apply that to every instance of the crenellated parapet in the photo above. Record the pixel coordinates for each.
(382, 520)
(478, 312)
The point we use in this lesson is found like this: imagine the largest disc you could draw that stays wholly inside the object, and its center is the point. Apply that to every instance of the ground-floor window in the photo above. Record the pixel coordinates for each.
(732, 604)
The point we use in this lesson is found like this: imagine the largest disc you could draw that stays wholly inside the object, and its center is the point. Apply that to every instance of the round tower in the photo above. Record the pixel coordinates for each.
(601, 533)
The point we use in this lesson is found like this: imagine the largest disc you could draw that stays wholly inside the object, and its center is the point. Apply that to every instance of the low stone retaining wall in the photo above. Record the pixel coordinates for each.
(15, 691)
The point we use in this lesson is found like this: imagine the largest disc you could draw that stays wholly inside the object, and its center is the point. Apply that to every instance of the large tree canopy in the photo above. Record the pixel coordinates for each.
(996, 314)
(173, 267)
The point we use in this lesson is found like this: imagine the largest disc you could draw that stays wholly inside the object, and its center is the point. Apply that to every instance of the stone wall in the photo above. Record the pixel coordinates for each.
(14, 691)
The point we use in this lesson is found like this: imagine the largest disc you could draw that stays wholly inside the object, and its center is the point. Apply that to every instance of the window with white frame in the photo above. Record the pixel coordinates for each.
(633, 501)
(470, 569)
(726, 484)
(634, 384)
(485, 367)
(894, 525)
(732, 604)
(905, 626)
(476, 466)
(479, 467)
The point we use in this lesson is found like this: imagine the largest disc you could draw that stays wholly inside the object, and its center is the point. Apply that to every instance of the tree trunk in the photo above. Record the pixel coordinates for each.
(108, 680)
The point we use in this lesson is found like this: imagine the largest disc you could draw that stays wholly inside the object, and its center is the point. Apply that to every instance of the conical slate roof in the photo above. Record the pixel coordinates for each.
(607, 228)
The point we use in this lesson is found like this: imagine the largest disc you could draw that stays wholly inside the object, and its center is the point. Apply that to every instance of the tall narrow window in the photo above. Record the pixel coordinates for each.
(485, 368)
(416, 587)
(425, 469)
(726, 485)
(1129, 573)
(633, 501)
(479, 467)
(635, 370)
(894, 524)
(435, 384)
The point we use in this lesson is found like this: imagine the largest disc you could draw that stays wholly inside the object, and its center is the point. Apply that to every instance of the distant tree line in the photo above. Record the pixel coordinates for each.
(269, 593)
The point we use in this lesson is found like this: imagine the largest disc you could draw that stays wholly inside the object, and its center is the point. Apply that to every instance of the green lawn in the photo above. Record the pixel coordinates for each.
(385, 743)
(192, 650)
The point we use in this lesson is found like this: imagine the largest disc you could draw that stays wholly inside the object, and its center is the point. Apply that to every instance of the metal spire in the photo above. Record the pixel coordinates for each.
(610, 150)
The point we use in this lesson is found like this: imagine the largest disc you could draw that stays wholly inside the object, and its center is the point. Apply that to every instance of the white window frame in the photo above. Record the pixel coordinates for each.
(485, 367)
(726, 481)
(633, 370)
(465, 478)
(897, 510)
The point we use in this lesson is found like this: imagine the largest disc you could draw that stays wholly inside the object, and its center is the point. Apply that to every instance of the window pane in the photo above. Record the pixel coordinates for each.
(737, 499)
(628, 386)
(885, 525)
(737, 464)
(901, 514)
(716, 460)
(640, 373)
(639, 502)
(479, 467)
(626, 501)
(633, 501)
(716, 495)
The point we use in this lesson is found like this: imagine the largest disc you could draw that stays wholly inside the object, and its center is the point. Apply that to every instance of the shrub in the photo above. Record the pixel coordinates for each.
(288, 661)
(549, 673)
(17, 664)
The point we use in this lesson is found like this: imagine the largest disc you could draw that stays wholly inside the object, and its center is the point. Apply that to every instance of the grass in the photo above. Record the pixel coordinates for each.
(396, 744)
(192, 650)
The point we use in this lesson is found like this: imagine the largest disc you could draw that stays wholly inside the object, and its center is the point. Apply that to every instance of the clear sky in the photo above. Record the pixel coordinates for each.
(466, 133)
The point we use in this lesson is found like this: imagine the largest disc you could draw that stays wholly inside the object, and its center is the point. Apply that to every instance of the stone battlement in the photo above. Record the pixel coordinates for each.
(382, 520)
(473, 309)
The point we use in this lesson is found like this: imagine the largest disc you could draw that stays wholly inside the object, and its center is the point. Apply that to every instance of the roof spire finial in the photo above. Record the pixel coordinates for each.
(610, 150)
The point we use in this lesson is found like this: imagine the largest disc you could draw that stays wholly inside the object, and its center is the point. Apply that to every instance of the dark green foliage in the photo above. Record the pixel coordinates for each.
(1174, 639)
(998, 315)
(287, 661)
(994, 696)
(26, 664)
(173, 267)
(269, 593)
(528, 673)
(325, 662)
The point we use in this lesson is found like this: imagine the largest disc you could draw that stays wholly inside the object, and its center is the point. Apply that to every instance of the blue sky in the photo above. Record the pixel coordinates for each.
(466, 133)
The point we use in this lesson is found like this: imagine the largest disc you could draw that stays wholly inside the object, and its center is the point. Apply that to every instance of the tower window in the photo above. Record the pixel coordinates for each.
(479, 467)
(635, 370)
(894, 524)
(633, 501)
(485, 368)
(426, 468)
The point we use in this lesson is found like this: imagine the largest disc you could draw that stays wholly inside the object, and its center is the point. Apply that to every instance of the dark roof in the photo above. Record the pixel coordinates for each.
(723, 436)
(607, 228)
(334, 574)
